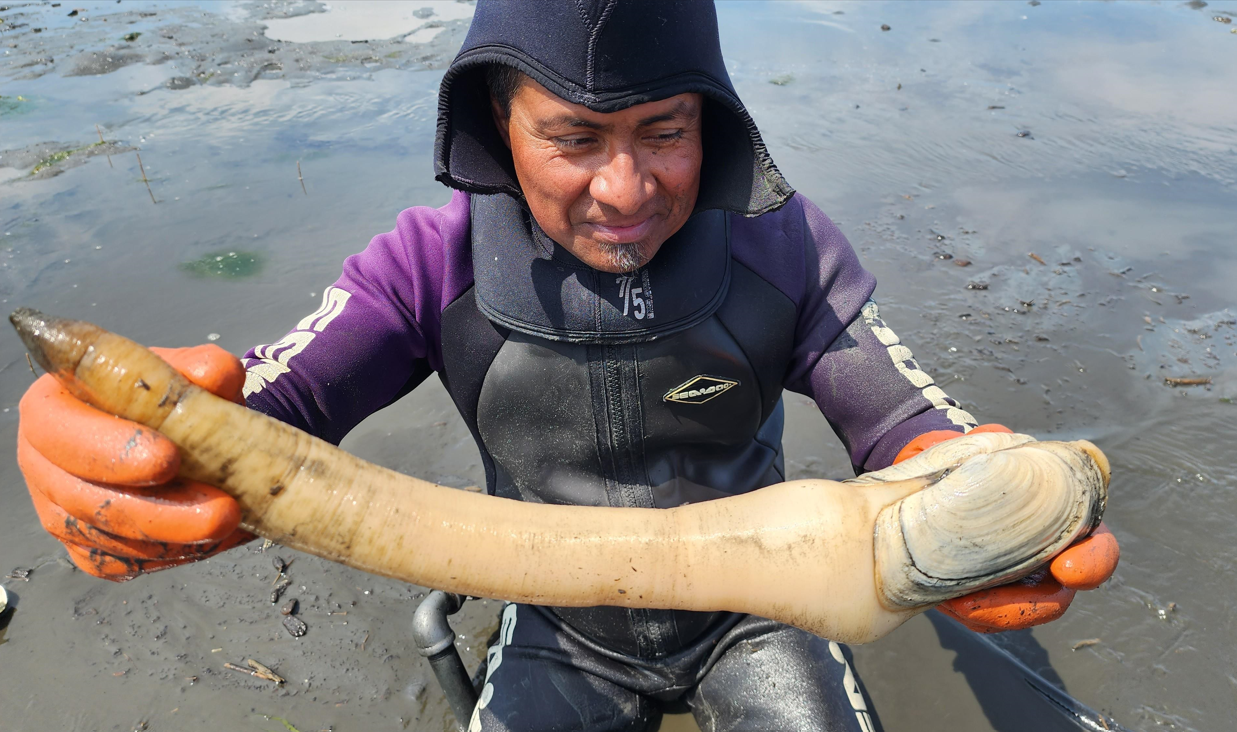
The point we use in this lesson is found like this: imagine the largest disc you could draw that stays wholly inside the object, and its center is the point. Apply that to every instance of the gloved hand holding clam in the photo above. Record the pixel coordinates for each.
(851, 560)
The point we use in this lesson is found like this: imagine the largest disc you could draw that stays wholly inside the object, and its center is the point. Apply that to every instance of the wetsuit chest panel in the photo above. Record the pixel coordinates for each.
(599, 424)
(534, 416)
(469, 344)
(703, 446)
(762, 321)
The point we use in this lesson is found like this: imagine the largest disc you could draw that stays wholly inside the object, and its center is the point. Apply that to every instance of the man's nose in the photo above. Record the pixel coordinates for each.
(623, 184)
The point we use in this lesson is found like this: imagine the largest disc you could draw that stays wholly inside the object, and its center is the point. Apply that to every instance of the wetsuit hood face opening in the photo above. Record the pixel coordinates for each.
(606, 55)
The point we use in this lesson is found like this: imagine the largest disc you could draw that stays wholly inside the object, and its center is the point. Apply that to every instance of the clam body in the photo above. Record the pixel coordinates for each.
(996, 508)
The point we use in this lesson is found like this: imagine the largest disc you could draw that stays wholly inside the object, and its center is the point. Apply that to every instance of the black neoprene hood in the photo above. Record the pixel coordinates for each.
(606, 55)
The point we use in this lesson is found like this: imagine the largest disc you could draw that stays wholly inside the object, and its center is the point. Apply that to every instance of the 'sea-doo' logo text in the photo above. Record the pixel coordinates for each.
(699, 390)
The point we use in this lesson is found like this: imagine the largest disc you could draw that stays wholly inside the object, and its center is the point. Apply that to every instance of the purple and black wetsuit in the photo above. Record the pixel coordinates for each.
(380, 332)
(651, 389)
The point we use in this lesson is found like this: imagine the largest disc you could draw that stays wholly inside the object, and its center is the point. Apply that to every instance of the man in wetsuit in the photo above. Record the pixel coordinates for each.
(615, 297)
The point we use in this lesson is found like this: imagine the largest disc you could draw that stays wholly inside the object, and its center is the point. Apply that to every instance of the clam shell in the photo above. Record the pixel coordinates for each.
(1005, 507)
(4, 600)
(945, 456)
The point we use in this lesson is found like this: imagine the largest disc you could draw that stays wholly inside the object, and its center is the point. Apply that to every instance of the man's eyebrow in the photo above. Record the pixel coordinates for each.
(569, 120)
(679, 110)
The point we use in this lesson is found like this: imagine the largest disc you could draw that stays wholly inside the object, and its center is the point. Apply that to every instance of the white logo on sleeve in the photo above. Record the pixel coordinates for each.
(272, 360)
(906, 365)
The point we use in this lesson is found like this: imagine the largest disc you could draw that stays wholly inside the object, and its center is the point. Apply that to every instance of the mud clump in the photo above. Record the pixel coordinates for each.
(295, 626)
(208, 48)
(49, 159)
(97, 63)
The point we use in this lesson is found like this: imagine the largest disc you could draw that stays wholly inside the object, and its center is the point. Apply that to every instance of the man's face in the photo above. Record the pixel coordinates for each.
(610, 188)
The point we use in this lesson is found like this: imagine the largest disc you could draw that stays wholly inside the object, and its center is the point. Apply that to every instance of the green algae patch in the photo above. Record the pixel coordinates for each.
(57, 158)
(13, 106)
(229, 265)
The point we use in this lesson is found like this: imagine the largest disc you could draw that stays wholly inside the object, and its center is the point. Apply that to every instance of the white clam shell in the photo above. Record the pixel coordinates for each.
(944, 456)
(4, 600)
(1005, 506)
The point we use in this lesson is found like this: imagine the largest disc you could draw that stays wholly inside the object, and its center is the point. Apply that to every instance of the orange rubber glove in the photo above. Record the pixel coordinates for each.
(107, 487)
(1044, 595)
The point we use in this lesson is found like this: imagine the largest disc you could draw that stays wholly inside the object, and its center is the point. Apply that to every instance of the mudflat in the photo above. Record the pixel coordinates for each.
(1044, 192)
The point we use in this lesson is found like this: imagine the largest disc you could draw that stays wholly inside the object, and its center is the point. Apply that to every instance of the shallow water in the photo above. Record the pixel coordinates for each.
(1124, 190)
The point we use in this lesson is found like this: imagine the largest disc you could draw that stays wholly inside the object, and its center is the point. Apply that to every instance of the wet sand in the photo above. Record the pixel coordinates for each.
(1124, 190)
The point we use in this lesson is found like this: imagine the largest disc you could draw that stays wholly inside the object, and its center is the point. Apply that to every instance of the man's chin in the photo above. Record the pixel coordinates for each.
(626, 257)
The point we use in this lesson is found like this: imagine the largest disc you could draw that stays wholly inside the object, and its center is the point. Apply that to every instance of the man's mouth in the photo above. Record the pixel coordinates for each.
(625, 233)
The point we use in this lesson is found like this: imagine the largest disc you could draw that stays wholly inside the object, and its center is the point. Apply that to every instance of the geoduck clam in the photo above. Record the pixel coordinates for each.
(996, 507)
(849, 561)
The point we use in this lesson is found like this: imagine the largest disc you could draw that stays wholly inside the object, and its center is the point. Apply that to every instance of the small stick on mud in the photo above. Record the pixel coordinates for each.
(364, 640)
(1187, 380)
(144, 179)
(242, 669)
(1037, 258)
(301, 178)
(102, 141)
(264, 671)
(261, 673)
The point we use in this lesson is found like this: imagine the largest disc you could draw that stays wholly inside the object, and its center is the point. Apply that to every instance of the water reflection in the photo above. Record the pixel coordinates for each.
(361, 20)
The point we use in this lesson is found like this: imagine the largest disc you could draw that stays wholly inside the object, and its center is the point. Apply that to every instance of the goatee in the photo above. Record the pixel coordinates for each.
(626, 257)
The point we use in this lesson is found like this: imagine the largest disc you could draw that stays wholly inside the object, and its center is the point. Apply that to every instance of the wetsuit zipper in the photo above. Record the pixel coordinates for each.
(619, 407)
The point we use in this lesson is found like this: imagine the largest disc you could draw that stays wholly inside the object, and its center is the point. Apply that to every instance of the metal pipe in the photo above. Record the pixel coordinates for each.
(436, 641)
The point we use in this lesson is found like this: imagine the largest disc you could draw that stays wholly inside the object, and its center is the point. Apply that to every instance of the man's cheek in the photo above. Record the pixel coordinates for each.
(682, 168)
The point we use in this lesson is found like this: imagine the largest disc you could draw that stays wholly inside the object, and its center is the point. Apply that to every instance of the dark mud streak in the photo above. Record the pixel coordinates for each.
(131, 443)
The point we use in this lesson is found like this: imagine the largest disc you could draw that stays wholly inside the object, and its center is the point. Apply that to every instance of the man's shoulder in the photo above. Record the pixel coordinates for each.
(772, 245)
(435, 229)
(427, 255)
(796, 248)
(782, 227)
